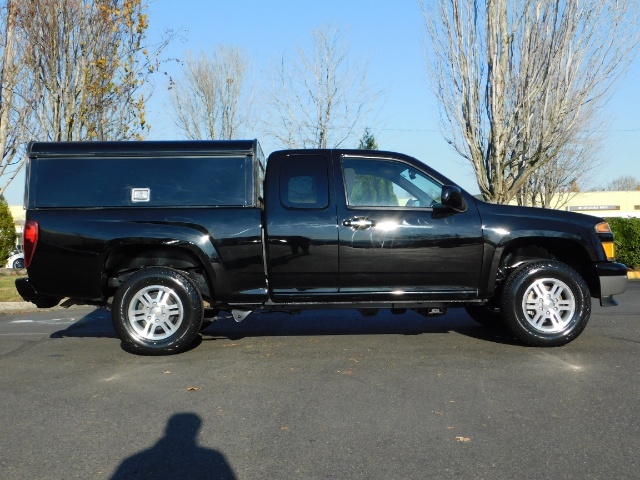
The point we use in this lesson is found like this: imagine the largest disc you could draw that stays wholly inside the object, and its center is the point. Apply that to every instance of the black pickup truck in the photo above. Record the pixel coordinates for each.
(169, 233)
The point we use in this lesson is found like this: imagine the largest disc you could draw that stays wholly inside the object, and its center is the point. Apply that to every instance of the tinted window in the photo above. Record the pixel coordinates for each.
(387, 183)
(304, 182)
(100, 182)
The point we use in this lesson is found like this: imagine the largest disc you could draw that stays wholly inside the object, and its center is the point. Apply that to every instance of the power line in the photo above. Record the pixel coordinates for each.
(422, 130)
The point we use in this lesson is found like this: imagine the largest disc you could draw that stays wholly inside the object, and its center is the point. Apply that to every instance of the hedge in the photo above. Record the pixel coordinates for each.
(626, 232)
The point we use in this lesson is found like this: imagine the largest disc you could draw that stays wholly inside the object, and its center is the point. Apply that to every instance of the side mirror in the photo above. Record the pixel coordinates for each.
(452, 198)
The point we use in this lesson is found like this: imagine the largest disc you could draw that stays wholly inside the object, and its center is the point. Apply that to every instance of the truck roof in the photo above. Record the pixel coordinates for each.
(143, 148)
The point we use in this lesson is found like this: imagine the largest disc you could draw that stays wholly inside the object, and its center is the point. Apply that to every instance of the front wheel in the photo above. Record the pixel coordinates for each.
(157, 311)
(545, 304)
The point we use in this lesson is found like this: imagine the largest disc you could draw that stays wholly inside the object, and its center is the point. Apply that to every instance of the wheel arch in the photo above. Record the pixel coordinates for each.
(532, 249)
(125, 260)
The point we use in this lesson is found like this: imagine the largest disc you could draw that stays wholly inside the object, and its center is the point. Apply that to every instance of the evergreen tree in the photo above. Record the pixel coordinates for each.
(7, 231)
(368, 141)
(370, 190)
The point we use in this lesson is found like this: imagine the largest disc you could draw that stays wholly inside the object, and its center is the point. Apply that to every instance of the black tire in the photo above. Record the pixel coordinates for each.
(157, 311)
(545, 304)
(19, 263)
(484, 315)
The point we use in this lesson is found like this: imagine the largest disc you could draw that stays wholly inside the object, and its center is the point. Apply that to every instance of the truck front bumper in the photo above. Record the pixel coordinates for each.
(613, 280)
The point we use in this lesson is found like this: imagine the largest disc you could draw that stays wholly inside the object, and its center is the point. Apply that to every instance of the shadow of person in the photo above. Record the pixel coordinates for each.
(176, 456)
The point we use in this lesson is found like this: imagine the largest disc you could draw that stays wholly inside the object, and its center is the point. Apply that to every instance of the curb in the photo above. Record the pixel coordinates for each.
(23, 307)
(633, 275)
(17, 307)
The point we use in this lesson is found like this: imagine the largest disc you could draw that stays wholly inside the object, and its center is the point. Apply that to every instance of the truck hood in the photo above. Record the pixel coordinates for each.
(528, 213)
(502, 224)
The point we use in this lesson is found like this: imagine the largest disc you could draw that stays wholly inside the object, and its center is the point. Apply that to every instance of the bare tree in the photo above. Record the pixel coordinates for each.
(211, 100)
(625, 183)
(91, 67)
(318, 100)
(556, 182)
(16, 92)
(72, 70)
(519, 81)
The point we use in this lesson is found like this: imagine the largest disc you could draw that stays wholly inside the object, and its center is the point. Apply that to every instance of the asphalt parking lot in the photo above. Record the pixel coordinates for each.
(321, 395)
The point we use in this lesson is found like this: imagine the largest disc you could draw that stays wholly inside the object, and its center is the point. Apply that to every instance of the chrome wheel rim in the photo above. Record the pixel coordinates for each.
(549, 305)
(155, 312)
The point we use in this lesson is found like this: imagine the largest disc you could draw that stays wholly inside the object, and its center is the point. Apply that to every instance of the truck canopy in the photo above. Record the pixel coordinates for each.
(144, 174)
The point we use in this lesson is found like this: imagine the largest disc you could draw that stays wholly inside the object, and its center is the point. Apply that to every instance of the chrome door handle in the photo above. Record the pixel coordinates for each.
(358, 223)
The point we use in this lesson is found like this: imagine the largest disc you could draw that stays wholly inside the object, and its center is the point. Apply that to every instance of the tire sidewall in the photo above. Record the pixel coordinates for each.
(515, 288)
(191, 300)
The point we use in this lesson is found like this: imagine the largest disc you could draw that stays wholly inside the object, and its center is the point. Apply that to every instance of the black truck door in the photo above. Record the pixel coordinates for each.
(301, 227)
(396, 240)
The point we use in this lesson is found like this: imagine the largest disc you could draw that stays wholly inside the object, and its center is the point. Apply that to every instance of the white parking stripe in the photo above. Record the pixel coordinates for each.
(46, 321)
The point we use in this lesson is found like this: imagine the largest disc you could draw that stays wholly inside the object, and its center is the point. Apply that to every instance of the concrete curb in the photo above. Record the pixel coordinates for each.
(16, 307)
(24, 307)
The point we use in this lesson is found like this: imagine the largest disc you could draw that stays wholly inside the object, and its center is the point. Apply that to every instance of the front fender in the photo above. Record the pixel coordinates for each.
(506, 228)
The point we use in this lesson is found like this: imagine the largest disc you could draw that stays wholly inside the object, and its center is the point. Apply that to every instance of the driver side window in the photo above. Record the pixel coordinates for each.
(387, 183)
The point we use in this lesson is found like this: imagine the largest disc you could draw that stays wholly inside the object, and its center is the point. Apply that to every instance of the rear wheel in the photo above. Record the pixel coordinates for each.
(546, 304)
(157, 311)
(19, 263)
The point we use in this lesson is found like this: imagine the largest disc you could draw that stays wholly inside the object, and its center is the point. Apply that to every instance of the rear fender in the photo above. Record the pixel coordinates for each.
(201, 264)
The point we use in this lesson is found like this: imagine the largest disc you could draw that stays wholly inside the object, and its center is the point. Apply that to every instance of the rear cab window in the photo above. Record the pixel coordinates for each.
(304, 182)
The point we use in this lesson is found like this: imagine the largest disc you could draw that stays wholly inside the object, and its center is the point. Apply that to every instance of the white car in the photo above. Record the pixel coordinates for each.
(15, 261)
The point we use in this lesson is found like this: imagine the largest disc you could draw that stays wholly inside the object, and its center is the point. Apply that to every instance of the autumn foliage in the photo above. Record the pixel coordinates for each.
(72, 70)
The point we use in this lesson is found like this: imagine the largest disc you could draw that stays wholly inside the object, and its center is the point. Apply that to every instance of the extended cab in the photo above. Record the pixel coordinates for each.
(168, 233)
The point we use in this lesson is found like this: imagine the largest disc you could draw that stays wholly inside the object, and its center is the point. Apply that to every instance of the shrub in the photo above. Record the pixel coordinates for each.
(7, 232)
(626, 232)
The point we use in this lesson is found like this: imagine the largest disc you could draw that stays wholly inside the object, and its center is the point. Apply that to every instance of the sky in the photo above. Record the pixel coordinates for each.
(389, 35)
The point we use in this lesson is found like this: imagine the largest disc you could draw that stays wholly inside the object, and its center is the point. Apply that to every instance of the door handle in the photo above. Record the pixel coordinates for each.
(358, 223)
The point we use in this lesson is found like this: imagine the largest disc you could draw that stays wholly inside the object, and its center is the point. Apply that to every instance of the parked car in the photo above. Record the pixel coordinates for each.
(175, 231)
(16, 260)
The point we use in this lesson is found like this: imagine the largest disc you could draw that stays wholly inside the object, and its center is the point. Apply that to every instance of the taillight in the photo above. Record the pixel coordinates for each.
(29, 241)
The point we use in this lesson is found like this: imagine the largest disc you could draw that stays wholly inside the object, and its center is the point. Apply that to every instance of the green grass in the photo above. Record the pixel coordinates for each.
(8, 292)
